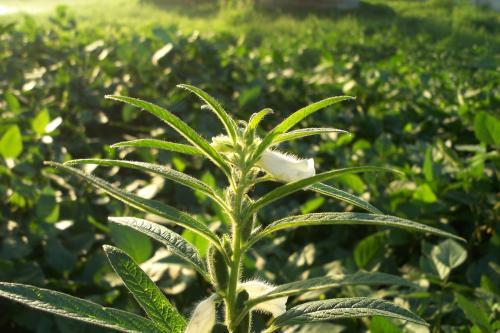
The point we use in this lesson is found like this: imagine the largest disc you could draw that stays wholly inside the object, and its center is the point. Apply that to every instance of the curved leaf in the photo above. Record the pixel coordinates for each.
(226, 120)
(145, 205)
(257, 117)
(343, 196)
(145, 291)
(292, 187)
(348, 218)
(159, 144)
(168, 173)
(181, 127)
(344, 308)
(172, 241)
(76, 308)
(300, 133)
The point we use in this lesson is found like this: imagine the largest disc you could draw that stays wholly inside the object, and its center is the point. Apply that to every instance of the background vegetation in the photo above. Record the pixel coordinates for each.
(426, 76)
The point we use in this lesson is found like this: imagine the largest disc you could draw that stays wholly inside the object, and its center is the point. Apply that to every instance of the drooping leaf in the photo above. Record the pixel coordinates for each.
(343, 196)
(344, 308)
(145, 205)
(172, 241)
(147, 294)
(181, 127)
(226, 120)
(159, 144)
(295, 186)
(303, 132)
(348, 219)
(76, 308)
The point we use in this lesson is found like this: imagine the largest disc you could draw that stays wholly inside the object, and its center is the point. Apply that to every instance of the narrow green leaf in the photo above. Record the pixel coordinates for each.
(145, 291)
(181, 127)
(172, 241)
(145, 205)
(474, 313)
(226, 120)
(76, 308)
(11, 143)
(348, 219)
(343, 196)
(328, 282)
(295, 186)
(344, 308)
(168, 173)
(159, 144)
(257, 117)
(300, 133)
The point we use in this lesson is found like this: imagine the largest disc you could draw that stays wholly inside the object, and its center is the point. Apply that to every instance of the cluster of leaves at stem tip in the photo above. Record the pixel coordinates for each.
(246, 159)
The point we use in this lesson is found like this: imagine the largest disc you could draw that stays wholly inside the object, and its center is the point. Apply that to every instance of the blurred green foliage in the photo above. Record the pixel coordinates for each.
(427, 103)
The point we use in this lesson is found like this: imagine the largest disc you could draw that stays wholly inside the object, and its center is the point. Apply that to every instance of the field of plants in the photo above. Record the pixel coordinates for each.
(427, 84)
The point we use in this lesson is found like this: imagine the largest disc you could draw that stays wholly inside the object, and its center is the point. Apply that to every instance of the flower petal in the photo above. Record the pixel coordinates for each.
(203, 317)
(256, 288)
(286, 168)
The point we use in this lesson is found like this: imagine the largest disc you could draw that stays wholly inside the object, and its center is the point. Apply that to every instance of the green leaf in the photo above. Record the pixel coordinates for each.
(136, 244)
(172, 241)
(344, 308)
(181, 127)
(447, 255)
(300, 133)
(295, 186)
(383, 325)
(486, 128)
(425, 194)
(12, 102)
(147, 294)
(256, 118)
(347, 219)
(216, 108)
(11, 143)
(198, 242)
(168, 173)
(474, 313)
(312, 205)
(370, 250)
(159, 144)
(343, 196)
(76, 308)
(328, 282)
(41, 120)
(145, 205)
(295, 118)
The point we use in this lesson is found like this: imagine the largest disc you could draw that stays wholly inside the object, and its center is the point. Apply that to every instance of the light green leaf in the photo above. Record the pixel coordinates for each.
(168, 173)
(136, 244)
(447, 255)
(295, 186)
(145, 205)
(344, 308)
(159, 144)
(257, 117)
(383, 325)
(41, 120)
(425, 194)
(147, 294)
(181, 127)
(11, 143)
(76, 308)
(300, 133)
(216, 108)
(474, 313)
(328, 282)
(344, 196)
(347, 219)
(486, 128)
(172, 241)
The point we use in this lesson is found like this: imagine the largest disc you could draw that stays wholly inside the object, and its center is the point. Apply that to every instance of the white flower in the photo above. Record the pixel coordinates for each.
(285, 167)
(257, 288)
(203, 317)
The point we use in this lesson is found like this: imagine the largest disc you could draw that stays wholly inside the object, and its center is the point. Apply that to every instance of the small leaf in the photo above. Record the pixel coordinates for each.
(216, 108)
(370, 250)
(447, 255)
(145, 205)
(147, 294)
(136, 244)
(343, 196)
(383, 325)
(172, 241)
(40, 122)
(159, 144)
(344, 308)
(11, 143)
(181, 127)
(76, 308)
(486, 128)
(256, 118)
(300, 133)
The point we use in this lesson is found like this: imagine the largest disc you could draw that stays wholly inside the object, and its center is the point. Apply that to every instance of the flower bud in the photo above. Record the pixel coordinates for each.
(217, 268)
(286, 167)
(203, 317)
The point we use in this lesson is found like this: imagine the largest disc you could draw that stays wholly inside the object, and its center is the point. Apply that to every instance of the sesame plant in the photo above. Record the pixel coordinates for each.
(246, 159)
